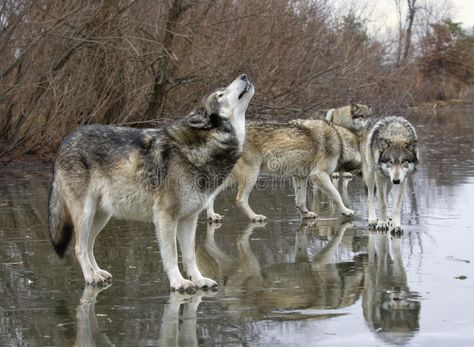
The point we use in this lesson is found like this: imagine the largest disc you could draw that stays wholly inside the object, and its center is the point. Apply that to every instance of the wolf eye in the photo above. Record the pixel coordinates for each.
(219, 95)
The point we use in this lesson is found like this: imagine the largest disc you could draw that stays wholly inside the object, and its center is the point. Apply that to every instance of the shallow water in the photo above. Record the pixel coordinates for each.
(283, 283)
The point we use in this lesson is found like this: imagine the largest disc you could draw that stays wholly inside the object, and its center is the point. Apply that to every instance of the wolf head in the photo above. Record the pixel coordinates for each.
(228, 103)
(354, 117)
(360, 116)
(225, 106)
(398, 160)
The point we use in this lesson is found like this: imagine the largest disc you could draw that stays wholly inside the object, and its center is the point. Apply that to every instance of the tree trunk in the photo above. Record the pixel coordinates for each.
(163, 75)
(411, 18)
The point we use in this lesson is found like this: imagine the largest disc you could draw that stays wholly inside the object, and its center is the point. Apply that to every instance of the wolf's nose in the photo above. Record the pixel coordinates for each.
(243, 77)
(396, 181)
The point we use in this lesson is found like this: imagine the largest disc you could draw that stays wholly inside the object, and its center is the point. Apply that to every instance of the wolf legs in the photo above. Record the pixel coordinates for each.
(211, 214)
(369, 178)
(186, 238)
(246, 184)
(396, 220)
(166, 230)
(324, 182)
(88, 222)
(381, 184)
(300, 184)
(100, 220)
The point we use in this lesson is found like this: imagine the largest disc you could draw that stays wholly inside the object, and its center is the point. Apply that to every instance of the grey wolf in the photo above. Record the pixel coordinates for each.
(165, 176)
(300, 149)
(353, 117)
(390, 156)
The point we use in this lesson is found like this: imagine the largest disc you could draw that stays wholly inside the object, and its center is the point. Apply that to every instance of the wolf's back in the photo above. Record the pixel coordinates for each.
(60, 227)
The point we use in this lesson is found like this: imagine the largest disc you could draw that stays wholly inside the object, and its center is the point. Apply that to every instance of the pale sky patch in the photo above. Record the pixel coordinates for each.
(382, 18)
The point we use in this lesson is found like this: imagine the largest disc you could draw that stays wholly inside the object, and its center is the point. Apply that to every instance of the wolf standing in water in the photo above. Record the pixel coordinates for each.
(390, 155)
(165, 176)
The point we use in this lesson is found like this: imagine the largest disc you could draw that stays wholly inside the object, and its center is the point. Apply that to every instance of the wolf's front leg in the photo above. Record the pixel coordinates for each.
(300, 184)
(396, 214)
(186, 237)
(211, 214)
(166, 227)
(381, 184)
(346, 178)
(369, 178)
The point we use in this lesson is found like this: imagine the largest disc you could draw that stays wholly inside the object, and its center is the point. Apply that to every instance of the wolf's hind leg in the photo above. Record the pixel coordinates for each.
(300, 184)
(83, 218)
(100, 220)
(247, 180)
(186, 238)
(324, 181)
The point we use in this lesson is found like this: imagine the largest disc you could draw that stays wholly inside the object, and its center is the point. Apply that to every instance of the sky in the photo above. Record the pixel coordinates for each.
(464, 12)
(382, 14)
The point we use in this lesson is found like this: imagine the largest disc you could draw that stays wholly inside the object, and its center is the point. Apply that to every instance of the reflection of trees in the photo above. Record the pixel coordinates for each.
(446, 144)
(390, 308)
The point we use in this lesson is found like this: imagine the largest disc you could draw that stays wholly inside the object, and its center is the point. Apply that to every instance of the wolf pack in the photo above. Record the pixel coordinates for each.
(169, 175)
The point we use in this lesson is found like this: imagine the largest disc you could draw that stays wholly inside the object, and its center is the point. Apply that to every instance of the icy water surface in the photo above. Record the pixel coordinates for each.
(330, 283)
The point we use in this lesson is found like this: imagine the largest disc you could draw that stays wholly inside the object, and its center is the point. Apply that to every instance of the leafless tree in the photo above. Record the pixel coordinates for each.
(73, 62)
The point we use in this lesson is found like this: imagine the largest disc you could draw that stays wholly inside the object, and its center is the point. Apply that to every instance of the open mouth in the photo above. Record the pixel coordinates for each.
(247, 88)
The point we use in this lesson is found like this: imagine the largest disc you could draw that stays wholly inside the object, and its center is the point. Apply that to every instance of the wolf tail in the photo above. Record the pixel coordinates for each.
(60, 225)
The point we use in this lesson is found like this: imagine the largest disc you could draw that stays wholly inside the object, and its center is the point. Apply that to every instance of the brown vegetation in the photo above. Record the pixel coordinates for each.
(68, 63)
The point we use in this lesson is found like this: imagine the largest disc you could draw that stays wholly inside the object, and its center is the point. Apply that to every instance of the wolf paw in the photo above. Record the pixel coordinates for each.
(335, 175)
(348, 212)
(101, 279)
(397, 231)
(258, 218)
(382, 226)
(184, 286)
(106, 275)
(309, 215)
(347, 176)
(372, 223)
(215, 218)
(205, 283)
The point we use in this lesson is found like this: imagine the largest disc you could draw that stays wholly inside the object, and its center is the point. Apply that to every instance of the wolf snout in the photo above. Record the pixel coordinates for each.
(396, 181)
(243, 77)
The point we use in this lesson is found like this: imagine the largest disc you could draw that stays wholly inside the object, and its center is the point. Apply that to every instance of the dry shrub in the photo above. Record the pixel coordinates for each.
(68, 63)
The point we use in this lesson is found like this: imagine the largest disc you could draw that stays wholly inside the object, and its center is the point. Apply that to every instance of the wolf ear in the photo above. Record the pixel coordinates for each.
(200, 119)
(354, 108)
